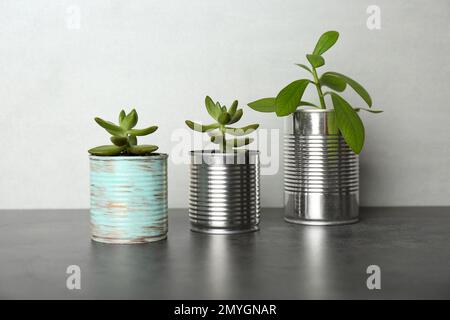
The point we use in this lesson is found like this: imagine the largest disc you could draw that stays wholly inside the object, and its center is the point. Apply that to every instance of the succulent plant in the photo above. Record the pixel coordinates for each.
(124, 137)
(290, 97)
(218, 130)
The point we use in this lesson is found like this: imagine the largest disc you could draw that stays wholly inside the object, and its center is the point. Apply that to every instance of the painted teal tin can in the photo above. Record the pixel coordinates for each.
(129, 198)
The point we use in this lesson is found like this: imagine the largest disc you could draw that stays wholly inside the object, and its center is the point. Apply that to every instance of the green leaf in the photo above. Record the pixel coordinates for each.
(315, 60)
(119, 141)
(368, 110)
(130, 120)
(235, 142)
(142, 149)
(201, 128)
(326, 41)
(331, 123)
(356, 86)
(106, 150)
(242, 131)
(349, 123)
(236, 117)
(233, 108)
(333, 81)
(224, 118)
(110, 127)
(309, 104)
(122, 115)
(239, 142)
(132, 140)
(213, 109)
(263, 105)
(143, 132)
(303, 66)
(290, 96)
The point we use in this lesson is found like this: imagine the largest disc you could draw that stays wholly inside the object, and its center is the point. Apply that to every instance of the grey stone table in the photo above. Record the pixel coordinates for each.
(281, 261)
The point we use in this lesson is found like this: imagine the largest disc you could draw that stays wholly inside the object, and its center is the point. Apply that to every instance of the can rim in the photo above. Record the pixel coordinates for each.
(314, 110)
(153, 156)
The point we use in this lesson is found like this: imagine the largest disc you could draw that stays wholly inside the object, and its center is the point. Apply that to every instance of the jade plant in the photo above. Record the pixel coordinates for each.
(329, 84)
(218, 130)
(124, 137)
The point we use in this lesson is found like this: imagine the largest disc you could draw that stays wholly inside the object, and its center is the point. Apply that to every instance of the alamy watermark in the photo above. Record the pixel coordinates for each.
(73, 281)
(266, 141)
(73, 17)
(374, 280)
(374, 20)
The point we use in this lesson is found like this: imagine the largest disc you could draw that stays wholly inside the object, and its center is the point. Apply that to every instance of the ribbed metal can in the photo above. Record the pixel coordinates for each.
(321, 172)
(224, 193)
(129, 198)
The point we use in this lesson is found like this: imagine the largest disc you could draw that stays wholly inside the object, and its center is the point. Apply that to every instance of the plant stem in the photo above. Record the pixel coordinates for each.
(319, 89)
(223, 145)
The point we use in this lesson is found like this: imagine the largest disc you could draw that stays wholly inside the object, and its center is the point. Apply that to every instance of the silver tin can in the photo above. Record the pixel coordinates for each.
(321, 172)
(129, 198)
(224, 191)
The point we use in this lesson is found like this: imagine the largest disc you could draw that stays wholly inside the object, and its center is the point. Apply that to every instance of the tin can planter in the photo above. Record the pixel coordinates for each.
(129, 198)
(224, 191)
(321, 177)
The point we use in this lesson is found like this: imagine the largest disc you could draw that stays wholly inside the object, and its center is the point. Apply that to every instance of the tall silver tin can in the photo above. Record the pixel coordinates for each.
(224, 191)
(321, 172)
(129, 198)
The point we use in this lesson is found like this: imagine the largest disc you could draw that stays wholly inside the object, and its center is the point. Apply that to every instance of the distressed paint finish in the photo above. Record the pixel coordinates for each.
(129, 198)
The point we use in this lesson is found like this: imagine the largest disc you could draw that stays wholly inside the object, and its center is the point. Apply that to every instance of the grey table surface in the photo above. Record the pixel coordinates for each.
(281, 261)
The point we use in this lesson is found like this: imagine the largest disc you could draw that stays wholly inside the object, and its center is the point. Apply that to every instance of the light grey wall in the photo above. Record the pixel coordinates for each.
(164, 56)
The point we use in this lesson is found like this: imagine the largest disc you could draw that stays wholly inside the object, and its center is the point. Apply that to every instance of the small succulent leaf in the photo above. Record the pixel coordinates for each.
(289, 97)
(130, 120)
(325, 42)
(119, 141)
(143, 132)
(110, 127)
(369, 110)
(106, 150)
(201, 128)
(356, 86)
(141, 150)
(224, 118)
(303, 66)
(242, 131)
(132, 140)
(236, 117)
(239, 142)
(233, 108)
(263, 105)
(122, 115)
(315, 60)
(349, 123)
(333, 81)
(213, 109)
(224, 109)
